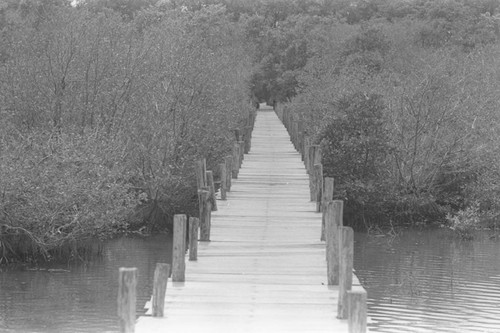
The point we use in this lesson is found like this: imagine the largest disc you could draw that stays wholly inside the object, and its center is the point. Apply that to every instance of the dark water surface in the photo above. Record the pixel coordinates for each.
(82, 298)
(418, 281)
(429, 281)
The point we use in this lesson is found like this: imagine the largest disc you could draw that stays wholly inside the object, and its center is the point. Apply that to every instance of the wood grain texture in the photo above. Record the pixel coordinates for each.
(223, 180)
(127, 298)
(162, 271)
(211, 188)
(327, 196)
(194, 231)
(356, 300)
(345, 273)
(179, 248)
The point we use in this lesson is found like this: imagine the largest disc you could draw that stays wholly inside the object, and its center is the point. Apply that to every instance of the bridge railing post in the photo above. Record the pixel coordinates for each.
(223, 181)
(356, 300)
(307, 145)
(194, 228)
(236, 160)
(205, 214)
(241, 150)
(333, 222)
(346, 266)
(314, 158)
(179, 248)
(162, 271)
(228, 160)
(211, 189)
(327, 196)
(127, 298)
(318, 186)
(201, 173)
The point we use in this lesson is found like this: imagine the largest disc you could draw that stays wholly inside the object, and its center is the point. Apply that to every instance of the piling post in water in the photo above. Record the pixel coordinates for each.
(211, 188)
(333, 221)
(312, 180)
(242, 152)
(356, 300)
(318, 186)
(327, 196)
(127, 299)
(228, 160)
(194, 227)
(223, 181)
(205, 214)
(236, 160)
(162, 271)
(345, 274)
(295, 134)
(179, 248)
(300, 138)
(201, 173)
(248, 137)
(307, 145)
(310, 159)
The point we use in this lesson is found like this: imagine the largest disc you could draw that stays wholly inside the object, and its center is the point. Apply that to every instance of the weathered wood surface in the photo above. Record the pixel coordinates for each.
(264, 269)
(162, 271)
(127, 298)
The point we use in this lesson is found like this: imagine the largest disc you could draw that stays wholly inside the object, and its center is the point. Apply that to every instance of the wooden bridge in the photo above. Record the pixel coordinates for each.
(264, 268)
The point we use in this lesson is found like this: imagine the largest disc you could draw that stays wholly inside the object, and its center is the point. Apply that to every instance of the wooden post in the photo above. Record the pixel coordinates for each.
(179, 248)
(242, 151)
(317, 155)
(345, 274)
(312, 153)
(229, 169)
(248, 137)
(237, 134)
(194, 227)
(223, 181)
(295, 134)
(333, 220)
(300, 126)
(205, 214)
(327, 196)
(356, 300)
(211, 188)
(236, 160)
(312, 180)
(307, 144)
(201, 176)
(162, 271)
(127, 299)
(318, 187)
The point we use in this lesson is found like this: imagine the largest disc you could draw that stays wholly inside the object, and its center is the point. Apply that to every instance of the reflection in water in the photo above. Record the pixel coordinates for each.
(419, 281)
(429, 281)
(79, 298)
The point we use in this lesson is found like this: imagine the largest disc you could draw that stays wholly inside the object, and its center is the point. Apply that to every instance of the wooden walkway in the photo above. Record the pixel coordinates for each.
(264, 269)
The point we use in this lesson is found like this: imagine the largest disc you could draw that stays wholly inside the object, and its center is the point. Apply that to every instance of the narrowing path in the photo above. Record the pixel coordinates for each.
(264, 269)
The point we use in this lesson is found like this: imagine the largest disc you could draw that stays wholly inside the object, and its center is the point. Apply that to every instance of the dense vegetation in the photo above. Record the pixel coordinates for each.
(103, 114)
(106, 104)
(403, 98)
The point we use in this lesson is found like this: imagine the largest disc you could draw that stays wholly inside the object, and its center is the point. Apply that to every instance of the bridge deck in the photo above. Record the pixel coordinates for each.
(264, 269)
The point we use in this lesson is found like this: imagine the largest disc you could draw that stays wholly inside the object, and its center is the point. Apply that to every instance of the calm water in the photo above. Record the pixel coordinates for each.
(419, 281)
(82, 299)
(428, 281)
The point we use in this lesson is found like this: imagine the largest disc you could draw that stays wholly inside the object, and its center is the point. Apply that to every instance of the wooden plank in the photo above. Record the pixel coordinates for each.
(264, 269)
